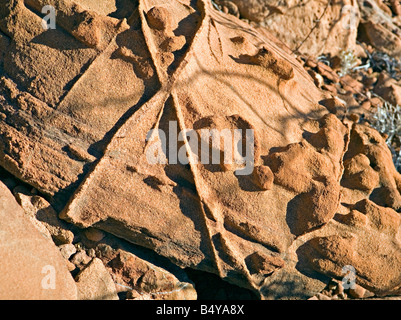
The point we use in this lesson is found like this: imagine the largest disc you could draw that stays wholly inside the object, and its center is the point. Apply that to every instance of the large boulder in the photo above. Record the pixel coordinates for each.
(32, 267)
(102, 140)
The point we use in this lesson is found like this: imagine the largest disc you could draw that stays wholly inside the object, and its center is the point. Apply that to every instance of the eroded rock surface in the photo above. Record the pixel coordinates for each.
(313, 28)
(32, 267)
(95, 283)
(326, 27)
(380, 29)
(322, 191)
(141, 279)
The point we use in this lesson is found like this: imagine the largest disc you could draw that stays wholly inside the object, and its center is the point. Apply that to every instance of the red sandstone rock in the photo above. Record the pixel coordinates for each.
(32, 267)
(95, 283)
(140, 277)
(323, 192)
(388, 89)
(314, 28)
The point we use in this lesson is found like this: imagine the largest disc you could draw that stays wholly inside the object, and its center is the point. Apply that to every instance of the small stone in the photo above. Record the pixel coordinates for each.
(358, 292)
(311, 63)
(366, 105)
(336, 63)
(80, 259)
(130, 271)
(95, 283)
(264, 177)
(327, 72)
(231, 8)
(340, 288)
(91, 253)
(70, 266)
(331, 88)
(333, 105)
(173, 43)
(260, 263)
(332, 286)
(326, 293)
(350, 84)
(396, 6)
(368, 294)
(369, 81)
(317, 78)
(376, 102)
(67, 250)
(94, 235)
(354, 117)
(104, 251)
(388, 89)
(159, 18)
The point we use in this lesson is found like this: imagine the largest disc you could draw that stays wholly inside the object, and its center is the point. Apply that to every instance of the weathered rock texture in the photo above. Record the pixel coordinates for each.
(312, 27)
(95, 283)
(326, 27)
(32, 267)
(379, 28)
(45, 218)
(323, 193)
(142, 279)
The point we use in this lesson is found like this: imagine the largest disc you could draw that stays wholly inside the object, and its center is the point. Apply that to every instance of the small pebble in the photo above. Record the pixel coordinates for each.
(94, 235)
(340, 288)
(67, 250)
(91, 253)
(354, 117)
(358, 292)
(80, 259)
(70, 266)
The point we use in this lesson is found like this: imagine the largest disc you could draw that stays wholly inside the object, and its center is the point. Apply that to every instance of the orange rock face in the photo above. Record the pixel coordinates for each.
(32, 267)
(313, 28)
(76, 117)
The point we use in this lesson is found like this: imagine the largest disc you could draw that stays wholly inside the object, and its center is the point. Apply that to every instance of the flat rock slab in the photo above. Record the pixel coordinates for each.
(32, 267)
(94, 282)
